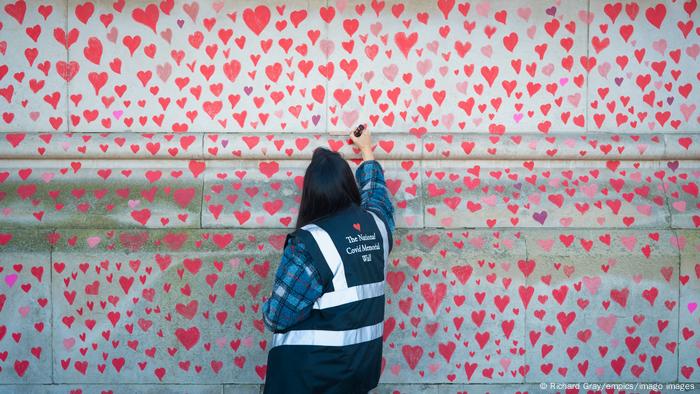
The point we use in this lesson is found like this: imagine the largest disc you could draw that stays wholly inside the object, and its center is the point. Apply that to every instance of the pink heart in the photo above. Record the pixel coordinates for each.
(644, 209)
(11, 279)
(327, 47)
(47, 177)
(629, 242)
(395, 369)
(341, 4)
(607, 323)
(678, 242)
(24, 310)
(679, 206)
(350, 117)
(525, 12)
(93, 241)
(592, 283)
(68, 343)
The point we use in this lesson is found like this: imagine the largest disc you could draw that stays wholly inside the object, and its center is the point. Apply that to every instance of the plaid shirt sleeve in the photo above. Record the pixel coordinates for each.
(375, 194)
(297, 286)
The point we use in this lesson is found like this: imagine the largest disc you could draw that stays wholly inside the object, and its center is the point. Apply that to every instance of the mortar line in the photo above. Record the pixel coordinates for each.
(243, 228)
(397, 132)
(378, 157)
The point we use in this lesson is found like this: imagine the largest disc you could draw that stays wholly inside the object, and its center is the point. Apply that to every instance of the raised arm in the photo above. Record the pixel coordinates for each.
(373, 191)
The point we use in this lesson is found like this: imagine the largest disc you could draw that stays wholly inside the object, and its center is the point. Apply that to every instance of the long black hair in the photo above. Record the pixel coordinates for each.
(329, 186)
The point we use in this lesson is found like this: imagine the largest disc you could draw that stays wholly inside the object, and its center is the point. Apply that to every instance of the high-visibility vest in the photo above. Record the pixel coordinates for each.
(338, 348)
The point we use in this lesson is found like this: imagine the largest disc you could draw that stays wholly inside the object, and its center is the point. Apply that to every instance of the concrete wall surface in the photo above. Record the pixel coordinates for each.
(541, 157)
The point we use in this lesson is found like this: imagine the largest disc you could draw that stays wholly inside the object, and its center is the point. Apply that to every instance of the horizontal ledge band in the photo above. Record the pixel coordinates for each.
(246, 230)
(394, 146)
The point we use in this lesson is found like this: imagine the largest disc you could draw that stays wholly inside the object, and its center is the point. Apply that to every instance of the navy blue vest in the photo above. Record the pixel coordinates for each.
(338, 348)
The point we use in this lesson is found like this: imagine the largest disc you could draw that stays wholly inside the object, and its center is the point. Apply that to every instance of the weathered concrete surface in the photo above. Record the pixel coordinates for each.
(121, 388)
(162, 306)
(681, 146)
(24, 145)
(301, 146)
(633, 91)
(35, 68)
(259, 194)
(91, 194)
(149, 89)
(429, 81)
(544, 194)
(688, 242)
(556, 145)
(25, 307)
(452, 314)
(601, 305)
(682, 193)
(386, 146)
(164, 144)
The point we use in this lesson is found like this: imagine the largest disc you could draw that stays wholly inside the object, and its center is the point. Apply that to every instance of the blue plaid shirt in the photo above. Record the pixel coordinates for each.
(297, 283)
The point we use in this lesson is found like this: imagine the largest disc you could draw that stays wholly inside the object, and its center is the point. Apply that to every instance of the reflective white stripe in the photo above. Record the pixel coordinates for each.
(385, 239)
(351, 294)
(330, 254)
(328, 338)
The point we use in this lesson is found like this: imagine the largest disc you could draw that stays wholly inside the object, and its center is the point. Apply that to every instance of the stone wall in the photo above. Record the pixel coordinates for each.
(541, 157)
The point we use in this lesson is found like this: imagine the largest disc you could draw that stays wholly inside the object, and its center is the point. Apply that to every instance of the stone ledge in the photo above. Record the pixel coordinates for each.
(426, 193)
(288, 145)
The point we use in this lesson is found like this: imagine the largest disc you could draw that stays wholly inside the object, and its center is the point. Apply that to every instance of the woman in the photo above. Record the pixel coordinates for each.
(326, 308)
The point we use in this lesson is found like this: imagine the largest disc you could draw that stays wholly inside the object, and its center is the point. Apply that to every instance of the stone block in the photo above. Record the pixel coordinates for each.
(33, 86)
(280, 146)
(162, 306)
(186, 67)
(25, 306)
(641, 65)
(552, 146)
(688, 243)
(602, 305)
(266, 194)
(453, 312)
(543, 194)
(417, 67)
(682, 146)
(22, 145)
(493, 388)
(242, 389)
(404, 389)
(681, 182)
(113, 389)
(47, 193)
